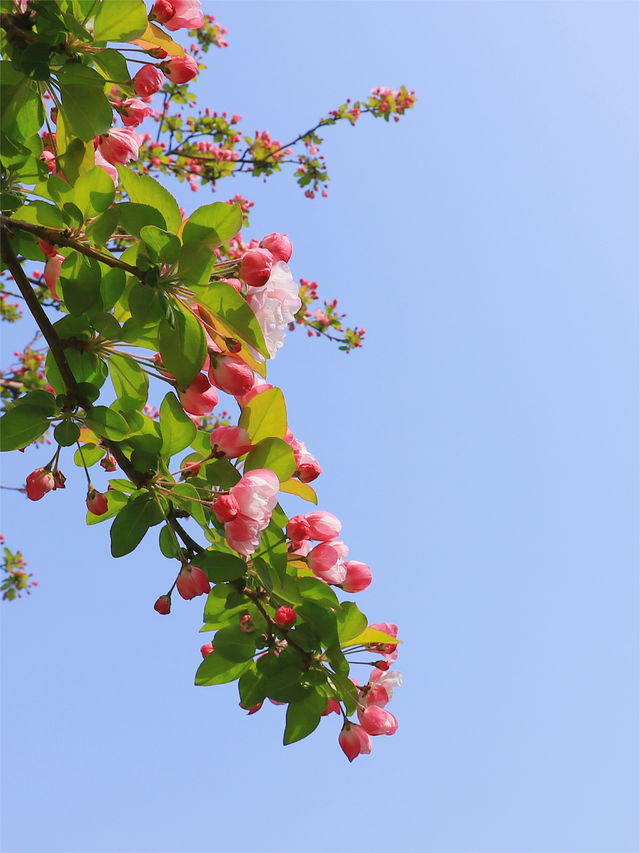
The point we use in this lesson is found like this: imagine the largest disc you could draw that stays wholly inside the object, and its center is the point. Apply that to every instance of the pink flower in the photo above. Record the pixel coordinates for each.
(147, 81)
(275, 305)
(323, 525)
(381, 686)
(332, 706)
(119, 145)
(255, 267)
(109, 168)
(163, 605)
(377, 721)
(326, 563)
(389, 650)
(49, 158)
(192, 581)
(358, 576)
(307, 466)
(225, 508)
(206, 650)
(97, 502)
(298, 528)
(285, 616)
(47, 249)
(180, 69)
(178, 14)
(257, 495)
(39, 482)
(133, 112)
(279, 245)
(200, 397)
(230, 374)
(354, 741)
(259, 386)
(51, 274)
(230, 441)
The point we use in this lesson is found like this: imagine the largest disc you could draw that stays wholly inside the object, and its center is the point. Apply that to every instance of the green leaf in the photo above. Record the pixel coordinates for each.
(234, 644)
(372, 635)
(265, 416)
(91, 454)
(130, 382)
(20, 426)
(21, 110)
(43, 400)
(106, 423)
(134, 217)
(273, 547)
(112, 65)
(176, 428)
(120, 20)
(346, 690)
(100, 230)
(275, 454)
(40, 213)
(220, 565)
(302, 490)
(145, 303)
(196, 264)
(146, 190)
(85, 366)
(252, 688)
(168, 543)
(93, 192)
(186, 497)
(351, 621)
(303, 717)
(223, 604)
(183, 348)
(216, 669)
(224, 302)
(84, 104)
(132, 522)
(75, 157)
(322, 620)
(213, 224)
(165, 245)
(107, 325)
(80, 283)
(66, 433)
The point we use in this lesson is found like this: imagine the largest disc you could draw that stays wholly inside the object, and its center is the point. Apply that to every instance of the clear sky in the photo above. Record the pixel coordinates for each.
(481, 451)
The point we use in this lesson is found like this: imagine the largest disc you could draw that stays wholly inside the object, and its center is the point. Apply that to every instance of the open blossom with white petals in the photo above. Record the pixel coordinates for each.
(275, 305)
(256, 495)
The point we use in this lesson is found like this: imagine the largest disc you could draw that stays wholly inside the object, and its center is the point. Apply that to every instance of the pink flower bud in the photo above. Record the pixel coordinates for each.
(298, 528)
(39, 482)
(47, 249)
(246, 624)
(255, 267)
(285, 616)
(332, 706)
(108, 462)
(119, 145)
(192, 581)
(354, 741)
(163, 605)
(180, 69)
(326, 563)
(147, 81)
(358, 576)
(323, 525)
(52, 272)
(206, 650)
(190, 469)
(307, 465)
(231, 375)
(200, 397)
(230, 441)
(376, 721)
(225, 508)
(252, 710)
(178, 14)
(134, 111)
(97, 502)
(279, 245)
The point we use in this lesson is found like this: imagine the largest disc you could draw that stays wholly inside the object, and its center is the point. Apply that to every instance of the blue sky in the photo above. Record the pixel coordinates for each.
(481, 451)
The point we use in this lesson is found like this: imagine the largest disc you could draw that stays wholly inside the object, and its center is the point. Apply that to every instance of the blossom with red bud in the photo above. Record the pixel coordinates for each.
(252, 710)
(206, 650)
(39, 482)
(323, 526)
(279, 245)
(255, 267)
(52, 272)
(358, 576)
(285, 616)
(119, 145)
(225, 508)
(298, 528)
(47, 249)
(381, 686)
(190, 469)
(230, 374)
(246, 624)
(326, 563)
(376, 721)
(307, 466)
(133, 111)
(192, 581)
(96, 502)
(147, 81)
(180, 69)
(163, 605)
(257, 495)
(381, 664)
(200, 397)
(108, 462)
(354, 741)
(178, 14)
(230, 441)
(332, 706)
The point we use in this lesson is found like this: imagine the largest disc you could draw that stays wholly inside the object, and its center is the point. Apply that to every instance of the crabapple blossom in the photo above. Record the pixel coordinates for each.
(178, 14)
(332, 707)
(307, 466)
(147, 81)
(279, 245)
(163, 605)
(39, 482)
(389, 650)
(255, 267)
(180, 69)
(382, 681)
(192, 581)
(225, 508)
(298, 528)
(323, 525)
(285, 616)
(97, 502)
(52, 273)
(230, 441)
(206, 650)
(275, 305)
(354, 741)
(200, 397)
(109, 168)
(256, 494)
(133, 112)
(326, 563)
(119, 145)
(358, 576)
(376, 721)
(230, 374)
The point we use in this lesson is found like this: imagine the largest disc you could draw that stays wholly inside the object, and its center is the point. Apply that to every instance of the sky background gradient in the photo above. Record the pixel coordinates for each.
(481, 451)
